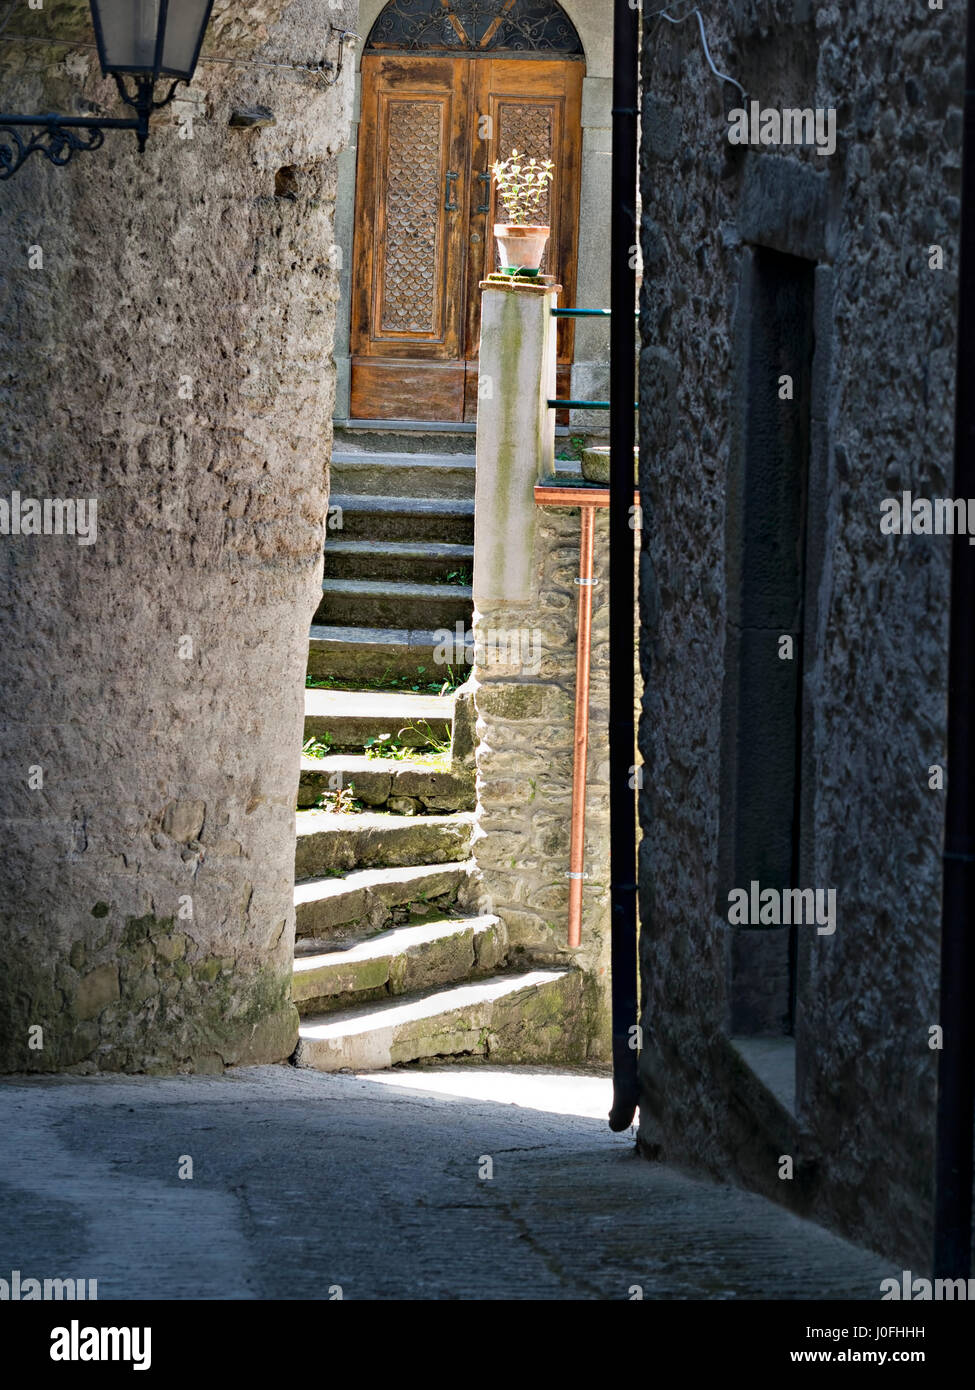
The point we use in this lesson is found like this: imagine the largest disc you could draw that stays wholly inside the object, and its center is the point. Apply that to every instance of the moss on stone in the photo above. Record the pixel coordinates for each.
(95, 991)
(147, 1008)
(206, 970)
(170, 948)
(596, 1020)
(514, 701)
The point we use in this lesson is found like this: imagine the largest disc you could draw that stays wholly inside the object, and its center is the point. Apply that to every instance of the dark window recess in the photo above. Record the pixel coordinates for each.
(763, 692)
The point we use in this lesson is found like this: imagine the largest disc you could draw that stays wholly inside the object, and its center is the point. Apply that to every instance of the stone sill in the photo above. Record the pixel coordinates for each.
(772, 1061)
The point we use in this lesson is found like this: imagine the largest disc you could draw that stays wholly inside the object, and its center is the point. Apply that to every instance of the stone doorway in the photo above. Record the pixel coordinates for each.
(430, 132)
(483, 62)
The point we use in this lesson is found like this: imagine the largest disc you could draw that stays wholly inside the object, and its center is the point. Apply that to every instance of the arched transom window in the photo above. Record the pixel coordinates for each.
(475, 26)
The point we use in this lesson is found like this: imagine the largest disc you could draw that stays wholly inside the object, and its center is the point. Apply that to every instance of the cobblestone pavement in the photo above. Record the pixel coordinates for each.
(462, 1183)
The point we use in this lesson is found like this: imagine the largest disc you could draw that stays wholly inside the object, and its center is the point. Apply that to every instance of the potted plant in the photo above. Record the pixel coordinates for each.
(522, 187)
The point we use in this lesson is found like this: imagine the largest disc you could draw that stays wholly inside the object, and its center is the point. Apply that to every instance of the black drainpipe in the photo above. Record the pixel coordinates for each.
(622, 725)
(956, 1074)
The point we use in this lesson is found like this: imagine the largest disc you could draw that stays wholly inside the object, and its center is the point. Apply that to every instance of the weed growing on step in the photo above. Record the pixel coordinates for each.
(430, 749)
(572, 451)
(416, 684)
(343, 802)
(319, 746)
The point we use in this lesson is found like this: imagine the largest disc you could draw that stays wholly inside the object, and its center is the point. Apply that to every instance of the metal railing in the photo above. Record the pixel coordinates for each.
(585, 314)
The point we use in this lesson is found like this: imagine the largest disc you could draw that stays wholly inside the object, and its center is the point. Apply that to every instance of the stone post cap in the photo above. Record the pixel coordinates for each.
(543, 285)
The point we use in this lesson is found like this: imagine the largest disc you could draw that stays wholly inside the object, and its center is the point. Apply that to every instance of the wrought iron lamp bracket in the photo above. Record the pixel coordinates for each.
(142, 103)
(57, 139)
(60, 138)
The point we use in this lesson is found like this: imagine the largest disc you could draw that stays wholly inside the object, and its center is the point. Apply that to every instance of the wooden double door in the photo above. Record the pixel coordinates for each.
(430, 131)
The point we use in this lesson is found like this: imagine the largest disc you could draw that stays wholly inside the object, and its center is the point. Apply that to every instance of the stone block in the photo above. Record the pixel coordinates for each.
(514, 703)
(784, 205)
(96, 990)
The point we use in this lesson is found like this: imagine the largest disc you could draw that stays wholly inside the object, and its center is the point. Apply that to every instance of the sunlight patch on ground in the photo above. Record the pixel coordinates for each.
(555, 1092)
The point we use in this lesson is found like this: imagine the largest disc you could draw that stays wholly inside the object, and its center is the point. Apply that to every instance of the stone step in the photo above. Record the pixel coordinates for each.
(404, 436)
(382, 603)
(534, 1017)
(404, 518)
(330, 842)
(405, 960)
(430, 437)
(351, 717)
(376, 780)
(381, 654)
(346, 908)
(418, 562)
(403, 474)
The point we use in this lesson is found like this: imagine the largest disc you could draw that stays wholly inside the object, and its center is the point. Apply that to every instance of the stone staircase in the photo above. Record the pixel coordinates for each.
(393, 962)
(399, 568)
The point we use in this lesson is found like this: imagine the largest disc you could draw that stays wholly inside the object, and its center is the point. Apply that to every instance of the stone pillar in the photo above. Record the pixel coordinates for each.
(170, 321)
(515, 433)
(525, 615)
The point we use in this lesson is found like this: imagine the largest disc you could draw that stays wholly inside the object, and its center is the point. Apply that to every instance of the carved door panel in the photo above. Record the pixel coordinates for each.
(430, 131)
(536, 109)
(409, 255)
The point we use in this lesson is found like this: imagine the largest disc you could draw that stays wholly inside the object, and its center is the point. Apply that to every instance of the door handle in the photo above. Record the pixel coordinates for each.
(449, 193)
(486, 180)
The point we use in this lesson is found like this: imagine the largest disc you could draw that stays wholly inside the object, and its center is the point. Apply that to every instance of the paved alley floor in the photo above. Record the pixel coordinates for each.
(462, 1183)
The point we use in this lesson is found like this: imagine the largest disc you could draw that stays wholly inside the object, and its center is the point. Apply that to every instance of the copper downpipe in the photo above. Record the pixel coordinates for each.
(588, 500)
(577, 842)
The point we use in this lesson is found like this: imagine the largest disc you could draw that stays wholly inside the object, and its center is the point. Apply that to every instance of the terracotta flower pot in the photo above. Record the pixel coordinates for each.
(522, 248)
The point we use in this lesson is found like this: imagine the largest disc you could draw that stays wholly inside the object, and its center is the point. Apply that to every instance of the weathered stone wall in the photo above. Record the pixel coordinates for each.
(526, 562)
(876, 622)
(171, 359)
(525, 723)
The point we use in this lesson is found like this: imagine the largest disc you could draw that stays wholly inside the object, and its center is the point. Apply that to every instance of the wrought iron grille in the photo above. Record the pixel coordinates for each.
(475, 26)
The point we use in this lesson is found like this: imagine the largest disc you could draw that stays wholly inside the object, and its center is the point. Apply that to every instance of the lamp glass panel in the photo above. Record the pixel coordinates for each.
(185, 22)
(127, 34)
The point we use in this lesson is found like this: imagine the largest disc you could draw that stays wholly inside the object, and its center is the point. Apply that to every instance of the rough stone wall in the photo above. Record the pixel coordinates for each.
(876, 659)
(525, 723)
(171, 359)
